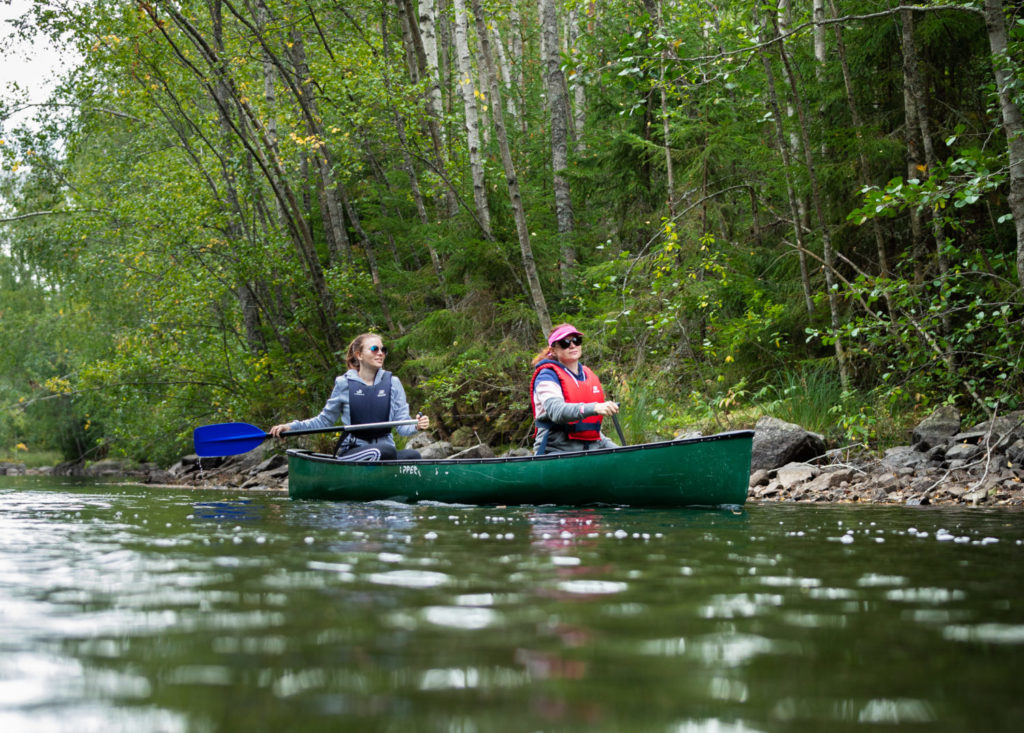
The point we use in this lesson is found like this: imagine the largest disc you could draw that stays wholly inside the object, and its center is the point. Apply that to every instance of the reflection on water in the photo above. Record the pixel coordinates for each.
(127, 608)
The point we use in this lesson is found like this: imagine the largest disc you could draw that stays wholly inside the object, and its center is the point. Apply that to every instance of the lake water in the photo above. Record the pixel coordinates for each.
(127, 608)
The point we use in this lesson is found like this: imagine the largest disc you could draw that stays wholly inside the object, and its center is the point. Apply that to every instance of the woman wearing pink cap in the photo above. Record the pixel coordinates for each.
(568, 399)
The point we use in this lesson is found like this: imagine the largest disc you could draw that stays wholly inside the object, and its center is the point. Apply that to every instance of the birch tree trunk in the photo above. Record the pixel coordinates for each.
(783, 145)
(666, 124)
(540, 305)
(576, 86)
(515, 42)
(428, 32)
(1013, 122)
(863, 169)
(826, 237)
(476, 163)
(785, 13)
(915, 161)
(410, 169)
(413, 60)
(917, 96)
(505, 70)
(818, 13)
(558, 104)
(423, 53)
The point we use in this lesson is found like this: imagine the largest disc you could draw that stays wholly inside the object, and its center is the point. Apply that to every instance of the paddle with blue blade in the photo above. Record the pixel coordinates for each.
(233, 438)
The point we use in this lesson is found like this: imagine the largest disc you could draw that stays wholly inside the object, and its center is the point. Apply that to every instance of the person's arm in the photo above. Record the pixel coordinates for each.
(555, 409)
(558, 411)
(335, 407)
(400, 409)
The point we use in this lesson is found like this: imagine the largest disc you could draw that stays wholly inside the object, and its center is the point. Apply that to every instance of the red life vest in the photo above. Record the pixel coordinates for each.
(588, 389)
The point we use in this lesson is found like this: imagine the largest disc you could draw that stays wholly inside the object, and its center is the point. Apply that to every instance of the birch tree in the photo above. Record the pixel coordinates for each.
(828, 256)
(791, 196)
(576, 84)
(469, 97)
(558, 107)
(915, 148)
(488, 73)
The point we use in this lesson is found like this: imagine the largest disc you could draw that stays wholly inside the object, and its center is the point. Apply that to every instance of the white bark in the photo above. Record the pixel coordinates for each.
(558, 105)
(576, 87)
(468, 90)
(429, 34)
(489, 75)
(506, 74)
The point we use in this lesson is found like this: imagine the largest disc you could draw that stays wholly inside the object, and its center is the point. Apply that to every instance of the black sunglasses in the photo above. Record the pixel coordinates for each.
(565, 343)
(374, 349)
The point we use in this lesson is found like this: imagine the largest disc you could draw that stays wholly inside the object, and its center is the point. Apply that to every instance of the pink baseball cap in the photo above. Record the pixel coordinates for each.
(566, 329)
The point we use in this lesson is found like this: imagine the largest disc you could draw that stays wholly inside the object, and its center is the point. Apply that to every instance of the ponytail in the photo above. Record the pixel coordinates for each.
(544, 353)
(352, 358)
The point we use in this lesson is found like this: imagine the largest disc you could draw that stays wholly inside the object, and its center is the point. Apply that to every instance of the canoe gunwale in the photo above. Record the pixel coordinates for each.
(312, 456)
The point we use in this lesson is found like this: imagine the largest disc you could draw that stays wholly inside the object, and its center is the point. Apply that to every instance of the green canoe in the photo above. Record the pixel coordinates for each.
(706, 471)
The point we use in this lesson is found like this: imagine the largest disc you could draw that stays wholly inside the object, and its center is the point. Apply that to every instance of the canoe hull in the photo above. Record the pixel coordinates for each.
(706, 471)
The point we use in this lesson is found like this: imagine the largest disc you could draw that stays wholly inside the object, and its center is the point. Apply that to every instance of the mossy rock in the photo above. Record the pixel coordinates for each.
(464, 437)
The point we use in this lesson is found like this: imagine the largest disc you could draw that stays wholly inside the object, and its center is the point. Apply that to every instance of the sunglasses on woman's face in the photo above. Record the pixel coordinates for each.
(374, 349)
(571, 341)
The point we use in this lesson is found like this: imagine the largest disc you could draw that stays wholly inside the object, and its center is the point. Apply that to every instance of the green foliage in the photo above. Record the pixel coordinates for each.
(954, 335)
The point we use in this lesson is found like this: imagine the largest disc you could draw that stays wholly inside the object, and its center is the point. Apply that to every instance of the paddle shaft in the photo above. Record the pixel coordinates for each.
(618, 429)
(349, 428)
(231, 439)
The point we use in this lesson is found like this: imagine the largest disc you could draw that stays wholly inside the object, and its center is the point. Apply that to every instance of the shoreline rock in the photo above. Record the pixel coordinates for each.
(944, 466)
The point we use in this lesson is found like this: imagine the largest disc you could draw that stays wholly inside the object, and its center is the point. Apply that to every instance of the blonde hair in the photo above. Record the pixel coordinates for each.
(543, 354)
(354, 349)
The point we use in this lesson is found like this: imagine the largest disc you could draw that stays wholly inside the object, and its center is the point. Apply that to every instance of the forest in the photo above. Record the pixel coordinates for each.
(811, 209)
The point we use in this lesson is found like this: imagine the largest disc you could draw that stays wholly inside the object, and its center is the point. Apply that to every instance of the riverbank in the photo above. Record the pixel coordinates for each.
(946, 464)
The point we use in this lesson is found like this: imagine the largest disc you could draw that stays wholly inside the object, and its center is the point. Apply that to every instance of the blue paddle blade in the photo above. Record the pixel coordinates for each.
(227, 439)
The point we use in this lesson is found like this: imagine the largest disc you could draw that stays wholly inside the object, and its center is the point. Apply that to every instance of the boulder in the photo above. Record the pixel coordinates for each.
(963, 452)
(1003, 430)
(107, 467)
(903, 457)
(439, 449)
(777, 443)
(759, 477)
(1015, 453)
(69, 468)
(835, 476)
(419, 440)
(795, 473)
(250, 460)
(464, 437)
(12, 469)
(158, 476)
(270, 464)
(937, 428)
(482, 450)
(192, 463)
(518, 452)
